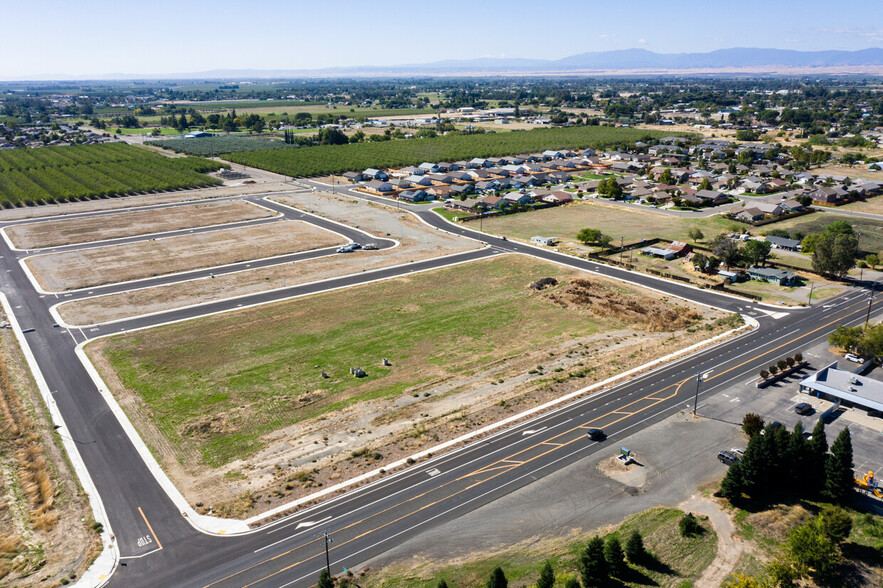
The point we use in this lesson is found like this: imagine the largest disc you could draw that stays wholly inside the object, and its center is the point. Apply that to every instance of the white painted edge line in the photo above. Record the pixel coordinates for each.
(203, 523)
(275, 216)
(105, 564)
(39, 288)
(750, 322)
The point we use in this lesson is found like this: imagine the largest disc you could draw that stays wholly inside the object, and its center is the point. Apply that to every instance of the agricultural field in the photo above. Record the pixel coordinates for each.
(238, 393)
(220, 144)
(330, 159)
(62, 174)
(632, 224)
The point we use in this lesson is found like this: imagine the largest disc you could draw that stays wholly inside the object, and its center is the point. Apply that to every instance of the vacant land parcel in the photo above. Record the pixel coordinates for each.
(127, 224)
(60, 174)
(240, 393)
(120, 263)
(632, 224)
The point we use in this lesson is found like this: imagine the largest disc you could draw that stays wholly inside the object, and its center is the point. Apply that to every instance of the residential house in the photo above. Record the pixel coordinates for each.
(494, 202)
(545, 241)
(461, 189)
(517, 198)
(772, 275)
(375, 174)
(379, 187)
(353, 176)
(712, 196)
(783, 243)
(558, 198)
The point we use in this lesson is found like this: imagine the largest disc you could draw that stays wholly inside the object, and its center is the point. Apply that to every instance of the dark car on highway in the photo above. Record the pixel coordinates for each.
(596, 434)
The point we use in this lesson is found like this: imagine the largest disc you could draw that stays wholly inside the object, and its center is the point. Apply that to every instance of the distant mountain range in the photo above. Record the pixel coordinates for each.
(625, 60)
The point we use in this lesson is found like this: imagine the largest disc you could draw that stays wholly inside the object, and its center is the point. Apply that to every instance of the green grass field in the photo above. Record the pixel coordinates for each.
(679, 560)
(254, 369)
(329, 159)
(632, 224)
(60, 174)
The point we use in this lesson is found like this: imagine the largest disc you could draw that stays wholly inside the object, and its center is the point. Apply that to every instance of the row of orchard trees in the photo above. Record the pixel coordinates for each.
(103, 170)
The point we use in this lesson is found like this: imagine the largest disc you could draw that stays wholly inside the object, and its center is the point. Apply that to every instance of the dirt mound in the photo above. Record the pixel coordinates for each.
(642, 312)
(544, 283)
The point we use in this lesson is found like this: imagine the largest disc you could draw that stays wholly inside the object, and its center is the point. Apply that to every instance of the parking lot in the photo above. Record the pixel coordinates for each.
(777, 402)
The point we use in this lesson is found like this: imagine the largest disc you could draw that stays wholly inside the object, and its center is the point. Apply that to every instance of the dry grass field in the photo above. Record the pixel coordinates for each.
(119, 263)
(126, 224)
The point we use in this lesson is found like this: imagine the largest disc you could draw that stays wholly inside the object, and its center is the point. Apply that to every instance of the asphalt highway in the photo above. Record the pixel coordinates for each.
(160, 547)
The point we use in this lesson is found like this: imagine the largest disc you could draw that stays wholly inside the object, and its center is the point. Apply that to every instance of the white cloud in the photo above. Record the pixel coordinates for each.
(866, 33)
(642, 41)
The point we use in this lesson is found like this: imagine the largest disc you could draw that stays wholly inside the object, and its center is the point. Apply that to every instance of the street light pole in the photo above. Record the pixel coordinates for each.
(809, 299)
(327, 558)
(870, 302)
(696, 399)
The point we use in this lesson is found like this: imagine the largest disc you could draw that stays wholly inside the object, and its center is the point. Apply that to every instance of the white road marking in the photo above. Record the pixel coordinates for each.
(307, 524)
(532, 431)
(434, 472)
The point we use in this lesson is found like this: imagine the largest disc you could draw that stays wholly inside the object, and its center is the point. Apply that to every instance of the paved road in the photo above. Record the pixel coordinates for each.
(160, 548)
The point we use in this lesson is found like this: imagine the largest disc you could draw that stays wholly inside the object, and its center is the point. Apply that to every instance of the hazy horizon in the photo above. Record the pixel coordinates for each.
(108, 38)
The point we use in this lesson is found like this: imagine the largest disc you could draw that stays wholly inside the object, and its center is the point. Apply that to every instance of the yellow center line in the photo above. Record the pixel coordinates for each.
(509, 466)
(155, 538)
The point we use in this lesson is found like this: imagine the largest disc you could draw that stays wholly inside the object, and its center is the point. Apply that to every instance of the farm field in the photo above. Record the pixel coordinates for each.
(871, 206)
(460, 340)
(632, 225)
(120, 263)
(68, 231)
(60, 174)
(329, 159)
(220, 144)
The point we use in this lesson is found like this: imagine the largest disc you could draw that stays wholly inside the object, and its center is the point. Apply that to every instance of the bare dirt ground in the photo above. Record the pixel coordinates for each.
(340, 445)
(729, 546)
(13, 214)
(119, 263)
(417, 242)
(45, 520)
(68, 231)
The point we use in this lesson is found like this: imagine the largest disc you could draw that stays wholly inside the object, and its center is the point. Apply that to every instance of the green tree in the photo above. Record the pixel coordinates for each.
(634, 547)
(689, 526)
(593, 566)
(818, 452)
(797, 456)
(837, 523)
(614, 190)
(547, 576)
(834, 255)
(571, 583)
(497, 579)
(614, 557)
(587, 236)
(812, 551)
(357, 137)
(846, 338)
(696, 234)
(700, 262)
(441, 584)
(666, 177)
(839, 473)
(752, 424)
(757, 252)
(325, 580)
(705, 184)
(726, 250)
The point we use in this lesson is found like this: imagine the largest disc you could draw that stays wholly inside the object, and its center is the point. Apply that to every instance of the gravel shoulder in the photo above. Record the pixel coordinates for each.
(68, 231)
(120, 263)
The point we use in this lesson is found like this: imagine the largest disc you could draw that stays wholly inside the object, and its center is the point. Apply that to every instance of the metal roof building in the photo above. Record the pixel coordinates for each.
(851, 389)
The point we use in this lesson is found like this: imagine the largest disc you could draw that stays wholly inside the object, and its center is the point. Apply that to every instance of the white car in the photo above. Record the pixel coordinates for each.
(854, 358)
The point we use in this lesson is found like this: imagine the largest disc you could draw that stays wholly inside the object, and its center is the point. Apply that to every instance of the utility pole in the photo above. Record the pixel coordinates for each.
(870, 302)
(620, 249)
(696, 399)
(327, 558)
(809, 299)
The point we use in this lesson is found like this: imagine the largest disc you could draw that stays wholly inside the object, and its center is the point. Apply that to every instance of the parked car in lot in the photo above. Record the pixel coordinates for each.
(727, 457)
(854, 358)
(804, 408)
(596, 434)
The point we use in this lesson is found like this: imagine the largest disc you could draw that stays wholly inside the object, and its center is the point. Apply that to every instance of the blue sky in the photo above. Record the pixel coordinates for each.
(98, 37)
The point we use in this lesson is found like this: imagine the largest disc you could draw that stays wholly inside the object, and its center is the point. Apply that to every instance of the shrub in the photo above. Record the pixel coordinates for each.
(689, 526)
(752, 424)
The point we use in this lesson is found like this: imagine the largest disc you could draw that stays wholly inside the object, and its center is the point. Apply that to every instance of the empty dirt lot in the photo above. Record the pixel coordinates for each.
(417, 241)
(236, 405)
(120, 263)
(67, 231)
